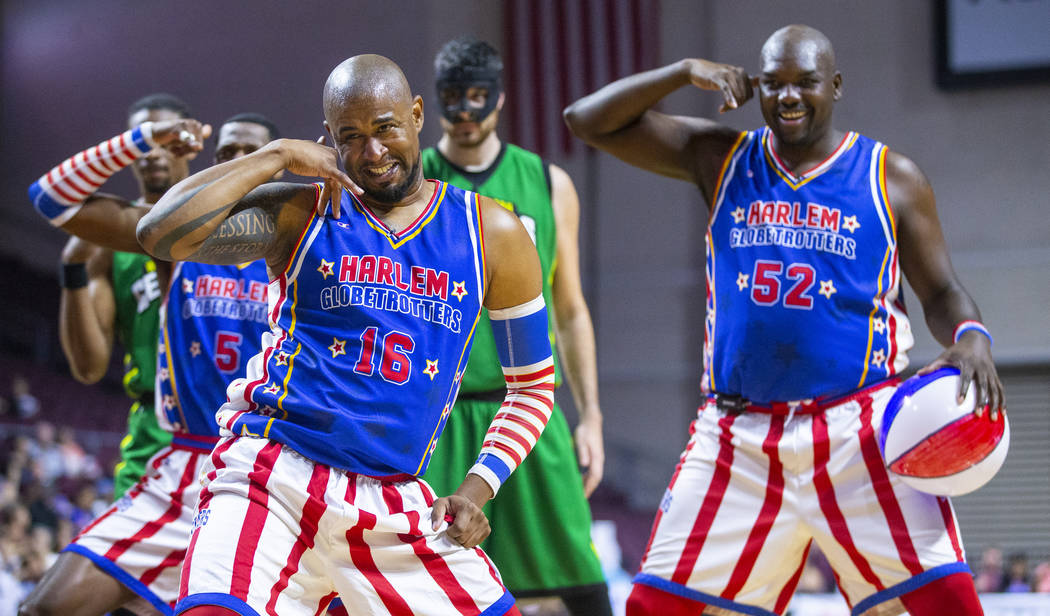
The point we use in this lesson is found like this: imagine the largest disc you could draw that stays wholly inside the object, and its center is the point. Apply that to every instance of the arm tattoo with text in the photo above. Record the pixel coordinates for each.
(245, 236)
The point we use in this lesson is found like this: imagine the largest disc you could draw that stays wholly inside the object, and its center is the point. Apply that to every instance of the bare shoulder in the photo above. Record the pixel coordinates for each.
(512, 265)
(907, 186)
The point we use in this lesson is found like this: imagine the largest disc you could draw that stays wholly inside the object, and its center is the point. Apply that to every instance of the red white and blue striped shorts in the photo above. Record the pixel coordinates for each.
(279, 534)
(752, 492)
(141, 539)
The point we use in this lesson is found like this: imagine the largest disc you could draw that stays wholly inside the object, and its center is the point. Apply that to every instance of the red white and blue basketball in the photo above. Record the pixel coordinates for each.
(937, 445)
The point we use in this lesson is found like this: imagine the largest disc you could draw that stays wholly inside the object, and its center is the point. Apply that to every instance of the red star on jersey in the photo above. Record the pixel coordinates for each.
(282, 359)
(738, 215)
(850, 223)
(741, 280)
(827, 288)
(272, 389)
(338, 347)
(195, 348)
(431, 369)
(459, 289)
(187, 285)
(326, 268)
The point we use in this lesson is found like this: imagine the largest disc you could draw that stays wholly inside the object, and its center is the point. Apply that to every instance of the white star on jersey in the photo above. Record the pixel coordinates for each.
(878, 357)
(741, 280)
(850, 223)
(879, 325)
(431, 369)
(738, 215)
(187, 285)
(827, 288)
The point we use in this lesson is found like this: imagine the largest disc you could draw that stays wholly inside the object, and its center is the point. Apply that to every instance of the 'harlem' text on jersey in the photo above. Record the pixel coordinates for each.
(370, 332)
(802, 275)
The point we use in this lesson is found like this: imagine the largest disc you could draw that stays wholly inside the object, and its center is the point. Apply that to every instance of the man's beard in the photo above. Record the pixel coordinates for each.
(395, 193)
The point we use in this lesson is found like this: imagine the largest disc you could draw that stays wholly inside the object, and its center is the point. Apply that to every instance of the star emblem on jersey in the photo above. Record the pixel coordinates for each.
(195, 348)
(272, 389)
(459, 289)
(738, 215)
(827, 288)
(163, 374)
(879, 325)
(741, 280)
(326, 268)
(878, 357)
(160, 347)
(338, 347)
(432, 368)
(169, 402)
(850, 223)
(282, 359)
(187, 285)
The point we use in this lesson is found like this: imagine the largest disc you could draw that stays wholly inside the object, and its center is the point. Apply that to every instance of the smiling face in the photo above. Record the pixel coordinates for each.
(377, 137)
(798, 85)
(159, 170)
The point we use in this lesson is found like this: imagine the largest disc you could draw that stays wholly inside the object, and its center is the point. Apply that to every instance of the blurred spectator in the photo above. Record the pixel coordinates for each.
(23, 403)
(75, 463)
(46, 455)
(991, 577)
(1017, 574)
(1041, 577)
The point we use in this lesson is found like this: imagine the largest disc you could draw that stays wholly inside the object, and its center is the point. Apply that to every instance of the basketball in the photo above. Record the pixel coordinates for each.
(937, 445)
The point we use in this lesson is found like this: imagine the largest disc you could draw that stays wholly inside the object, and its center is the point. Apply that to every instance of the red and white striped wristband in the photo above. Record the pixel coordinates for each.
(966, 326)
(58, 194)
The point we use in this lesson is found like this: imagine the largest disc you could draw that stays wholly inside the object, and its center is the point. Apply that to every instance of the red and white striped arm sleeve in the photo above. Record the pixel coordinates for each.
(523, 345)
(60, 192)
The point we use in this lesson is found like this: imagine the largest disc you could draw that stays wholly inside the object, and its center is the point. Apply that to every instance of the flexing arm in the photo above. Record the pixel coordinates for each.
(229, 214)
(619, 119)
(519, 322)
(575, 331)
(945, 303)
(66, 195)
(87, 310)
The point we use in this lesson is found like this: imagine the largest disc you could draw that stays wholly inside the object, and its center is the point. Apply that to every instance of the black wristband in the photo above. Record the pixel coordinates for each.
(73, 276)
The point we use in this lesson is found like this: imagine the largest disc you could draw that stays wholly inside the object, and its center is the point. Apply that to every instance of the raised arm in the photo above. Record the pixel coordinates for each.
(66, 195)
(928, 268)
(619, 119)
(513, 295)
(575, 331)
(87, 310)
(230, 214)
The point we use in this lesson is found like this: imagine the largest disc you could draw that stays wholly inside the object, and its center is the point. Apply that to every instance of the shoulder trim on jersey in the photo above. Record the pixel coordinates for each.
(725, 174)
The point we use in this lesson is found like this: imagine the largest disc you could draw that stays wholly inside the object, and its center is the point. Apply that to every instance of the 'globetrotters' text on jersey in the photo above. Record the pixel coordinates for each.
(371, 330)
(803, 278)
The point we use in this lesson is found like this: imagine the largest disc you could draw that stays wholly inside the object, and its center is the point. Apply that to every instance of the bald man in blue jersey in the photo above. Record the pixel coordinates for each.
(810, 230)
(378, 280)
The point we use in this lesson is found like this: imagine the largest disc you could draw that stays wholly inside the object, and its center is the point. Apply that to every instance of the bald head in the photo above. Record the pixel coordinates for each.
(364, 77)
(799, 41)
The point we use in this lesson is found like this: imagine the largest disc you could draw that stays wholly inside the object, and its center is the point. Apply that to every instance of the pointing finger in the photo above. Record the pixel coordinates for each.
(336, 195)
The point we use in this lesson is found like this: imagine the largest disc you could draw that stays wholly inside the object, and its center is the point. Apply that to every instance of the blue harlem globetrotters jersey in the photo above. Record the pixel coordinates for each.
(370, 334)
(211, 324)
(803, 278)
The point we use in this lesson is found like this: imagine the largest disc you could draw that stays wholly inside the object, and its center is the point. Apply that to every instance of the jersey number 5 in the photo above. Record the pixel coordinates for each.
(765, 284)
(395, 365)
(228, 351)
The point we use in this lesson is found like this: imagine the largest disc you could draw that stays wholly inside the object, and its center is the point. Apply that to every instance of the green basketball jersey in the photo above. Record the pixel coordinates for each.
(519, 181)
(136, 290)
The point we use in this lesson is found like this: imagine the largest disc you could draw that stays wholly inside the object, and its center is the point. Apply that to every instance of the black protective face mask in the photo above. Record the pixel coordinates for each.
(460, 79)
